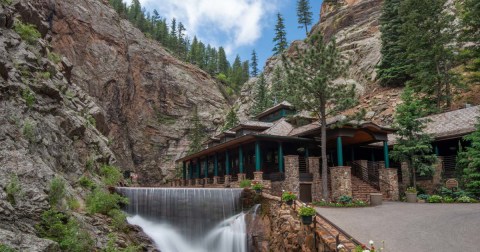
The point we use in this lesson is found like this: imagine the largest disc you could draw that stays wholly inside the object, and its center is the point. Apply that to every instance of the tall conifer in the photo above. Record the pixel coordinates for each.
(304, 14)
(280, 38)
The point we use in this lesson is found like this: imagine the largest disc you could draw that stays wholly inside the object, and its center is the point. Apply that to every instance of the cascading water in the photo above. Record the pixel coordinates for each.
(189, 219)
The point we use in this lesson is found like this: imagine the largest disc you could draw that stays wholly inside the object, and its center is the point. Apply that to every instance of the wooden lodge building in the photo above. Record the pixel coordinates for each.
(281, 149)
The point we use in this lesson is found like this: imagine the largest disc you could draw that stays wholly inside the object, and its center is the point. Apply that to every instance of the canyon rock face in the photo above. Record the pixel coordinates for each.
(146, 97)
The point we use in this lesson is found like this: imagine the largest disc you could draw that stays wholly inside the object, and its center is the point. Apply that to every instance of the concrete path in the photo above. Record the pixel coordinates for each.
(420, 227)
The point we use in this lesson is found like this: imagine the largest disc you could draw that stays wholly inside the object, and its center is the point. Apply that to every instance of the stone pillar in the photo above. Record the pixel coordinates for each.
(198, 181)
(389, 183)
(241, 176)
(405, 174)
(205, 181)
(292, 176)
(341, 177)
(227, 180)
(314, 168)
(437, 175)
(189, 182)
(215, 180)
(258, 176)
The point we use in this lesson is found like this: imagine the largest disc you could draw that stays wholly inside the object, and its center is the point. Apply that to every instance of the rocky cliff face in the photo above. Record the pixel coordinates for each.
(146, 97)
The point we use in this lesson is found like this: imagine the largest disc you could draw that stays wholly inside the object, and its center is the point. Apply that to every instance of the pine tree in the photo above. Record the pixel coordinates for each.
(223, 64)
(428, 36)
(261, 96)
(470, 11)
(468, 161)
(231, 120)
(279, 92)
(181, 51)
(236, 74)
(304, 15)
(413, 145)
(311, 84)
(197, 133)
(245, 72)
(280, 38)
(173, 34)
(392, 70)
(254, 64)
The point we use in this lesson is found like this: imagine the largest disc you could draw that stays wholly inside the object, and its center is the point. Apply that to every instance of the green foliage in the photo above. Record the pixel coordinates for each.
(27, 32)
(257, 186)
(411, 189)
(466, 199)
(435, 199)
(29, 97)
(287, 196)
(470, 20)
(73, 204)
(254, 64)
(413, 145)
(65, 230)
(43, 75)
(311, 84)
(445, 192)
(3, 247)
(448, 200)
(101, 201)
(28, 131)
(118, 219)
(90, 164)
(90, 121)
(112, 247)
(304, 14)
(231, 120)
(306, 211)
(354, 203)
(423, 196)
(245, 183)
(468, 161)
(261, 97)
(279, 91)
(6, 2)
(222, 77)
(13, 189)
(86, 182)
(345, 199)
(280, 38)
(197, 134)
(111, 175)
(54, 57)
(56, 191)
(165, 119)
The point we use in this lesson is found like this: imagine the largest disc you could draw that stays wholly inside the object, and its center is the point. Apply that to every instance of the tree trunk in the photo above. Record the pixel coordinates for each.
(323, 121)
(414, 175)
(306, 29)
(438, 88)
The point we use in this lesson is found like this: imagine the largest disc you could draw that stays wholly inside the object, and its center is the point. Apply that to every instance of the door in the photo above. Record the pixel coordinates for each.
(306, 193)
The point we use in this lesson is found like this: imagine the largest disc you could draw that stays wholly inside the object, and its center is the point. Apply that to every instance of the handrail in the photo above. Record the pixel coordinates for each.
(369, 174)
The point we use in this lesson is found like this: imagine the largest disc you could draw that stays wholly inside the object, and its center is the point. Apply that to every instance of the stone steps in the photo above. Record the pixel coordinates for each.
(361, 190)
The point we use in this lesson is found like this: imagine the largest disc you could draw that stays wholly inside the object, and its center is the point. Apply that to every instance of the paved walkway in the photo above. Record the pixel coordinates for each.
(412, 227)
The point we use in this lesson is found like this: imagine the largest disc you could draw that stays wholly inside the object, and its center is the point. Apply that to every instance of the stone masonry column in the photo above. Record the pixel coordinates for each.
(241, 176)
(258, 176)
(292, 176)
(314, 168)
(215, 180)
(341, 178)
(389, 183)
(227, 180)
(437, 175)
(198, 182)
(205, 181)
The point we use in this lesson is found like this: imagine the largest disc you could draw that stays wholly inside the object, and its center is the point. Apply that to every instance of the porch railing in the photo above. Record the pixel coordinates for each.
(369, 174)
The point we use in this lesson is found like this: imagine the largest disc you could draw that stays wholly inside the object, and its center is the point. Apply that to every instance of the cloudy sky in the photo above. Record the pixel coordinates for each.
(238, 25)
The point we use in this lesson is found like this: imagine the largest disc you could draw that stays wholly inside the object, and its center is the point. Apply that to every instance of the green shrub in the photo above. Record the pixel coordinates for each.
(44, 75)
(354, 203)
(73, 204)
(57, 191)
(411, 190)
(27, 32)
(454, 194)
(54, 57)
(28, 131)
(6, 248)
(448, 199)
(423, 197)
(90, 164)
(13, 189)
(6, 2)
(65, 230)
(306, 211)
(465, 199)
(91, 120)
(29, 97)
(257, 186)
(101, 201)
(85, 182)
(112, 246)
(286, 196)
(345, 199)
(245, 183)
(435, 199)
(111, 175)
(119, 219)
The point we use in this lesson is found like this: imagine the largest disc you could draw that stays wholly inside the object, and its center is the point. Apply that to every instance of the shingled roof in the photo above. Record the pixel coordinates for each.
(252, 124)
(452, 124)
(280, 128)
(283, 104)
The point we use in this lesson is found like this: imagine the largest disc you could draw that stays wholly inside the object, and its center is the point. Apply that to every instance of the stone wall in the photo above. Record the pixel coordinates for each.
(428, 185)
(314, 168)
(389, 183)
(341, 178)
(292, 180)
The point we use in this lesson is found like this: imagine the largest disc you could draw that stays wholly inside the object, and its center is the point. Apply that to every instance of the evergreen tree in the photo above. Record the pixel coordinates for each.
(173, 34)
(471, 36)
(193, 54)
(223, 64)
(468, 161)
(279, 91)
(254, 64)
(413, 145)
(245, 73)
(236, 74)
(280, 38)
(392, 70)
(231, 120)
(261, 96)
(428, 36)
(197, 133)
(304, 14)
(311, 84)
(181, 50)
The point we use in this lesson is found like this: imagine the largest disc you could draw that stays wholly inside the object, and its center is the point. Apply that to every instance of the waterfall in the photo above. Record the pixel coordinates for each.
(189, 219)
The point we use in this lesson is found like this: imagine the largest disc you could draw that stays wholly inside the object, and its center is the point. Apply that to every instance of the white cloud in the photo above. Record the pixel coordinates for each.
(231, 23)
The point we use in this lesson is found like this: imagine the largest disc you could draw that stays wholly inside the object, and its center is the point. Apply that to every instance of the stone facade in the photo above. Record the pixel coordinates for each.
(241, 176)
(428, 185)
(258, 176)
(314, 168)
(341, 178)
(389, 183)
(215, 180)
(292, 180)
(228, 178)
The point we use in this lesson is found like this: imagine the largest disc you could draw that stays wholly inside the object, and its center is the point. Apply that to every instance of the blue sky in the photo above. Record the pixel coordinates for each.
(238, 25)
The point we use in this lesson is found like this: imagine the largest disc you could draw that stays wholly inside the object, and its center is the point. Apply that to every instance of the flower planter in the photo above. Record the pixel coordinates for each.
(307, 220)
(376, 199)
(411, 197)
(289, 202)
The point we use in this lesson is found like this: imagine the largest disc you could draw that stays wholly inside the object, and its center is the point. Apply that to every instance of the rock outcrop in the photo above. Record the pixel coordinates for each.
(145, 96)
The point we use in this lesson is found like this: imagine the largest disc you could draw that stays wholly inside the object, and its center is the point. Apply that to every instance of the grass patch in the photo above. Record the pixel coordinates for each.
(13, 189)
(247, 183)
(85, 182)
(29, 97)
(54, 57)
(111, 175)
(6, 248)
(57, 191)
(90, 164)
(165, 119)
(91, 120)
(44, 75)
(101, 201)
(28, 131)
(119, 219)
(27, 32)
(354, 203)
(112, 246)
(65, 230)
(73, 204)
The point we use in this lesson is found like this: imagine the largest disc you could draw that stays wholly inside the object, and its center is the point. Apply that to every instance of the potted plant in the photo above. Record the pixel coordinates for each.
(289, 197)
(411, 194)
(306, 213)
(245, 183)
(257, 187)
